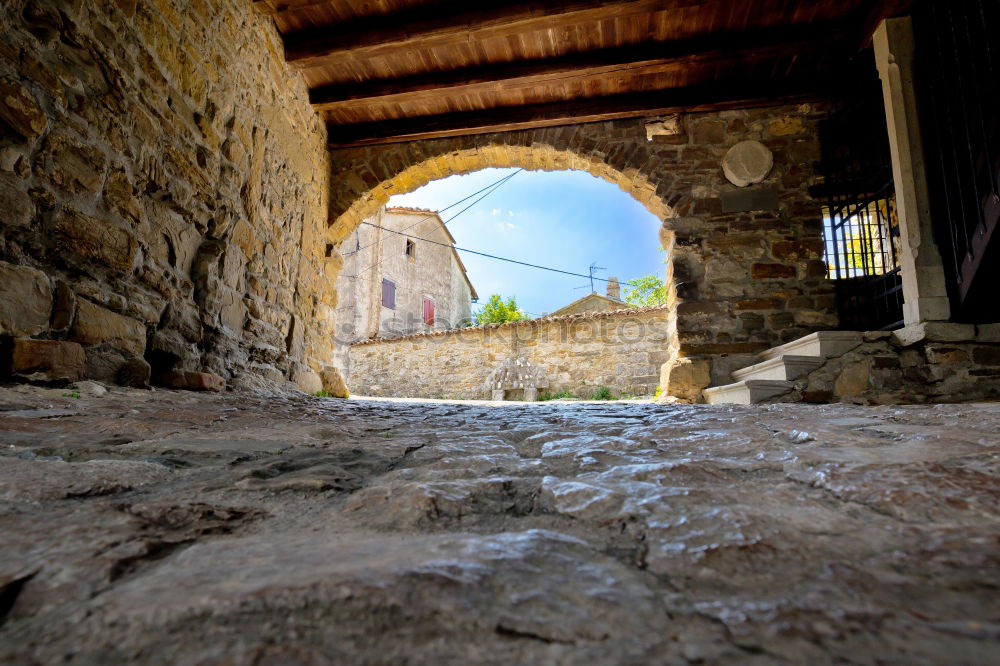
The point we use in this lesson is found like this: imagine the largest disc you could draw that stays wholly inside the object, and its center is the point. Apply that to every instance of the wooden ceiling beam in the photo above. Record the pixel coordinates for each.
(649, 58)
(454, 22)
(718, 96)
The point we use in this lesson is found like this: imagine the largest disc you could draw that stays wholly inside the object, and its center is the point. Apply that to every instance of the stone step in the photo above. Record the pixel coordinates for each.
(746, 392)
(780, 368)
(825, 344)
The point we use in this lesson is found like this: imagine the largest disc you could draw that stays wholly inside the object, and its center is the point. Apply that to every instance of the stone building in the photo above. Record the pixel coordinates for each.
(401, 275)
(594, 302)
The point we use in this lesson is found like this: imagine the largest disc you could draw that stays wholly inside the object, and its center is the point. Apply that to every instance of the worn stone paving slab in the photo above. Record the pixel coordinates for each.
(162, 527)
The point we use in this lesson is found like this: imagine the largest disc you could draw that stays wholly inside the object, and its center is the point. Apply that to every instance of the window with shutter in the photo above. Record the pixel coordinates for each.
(388, 294)
(429, 311)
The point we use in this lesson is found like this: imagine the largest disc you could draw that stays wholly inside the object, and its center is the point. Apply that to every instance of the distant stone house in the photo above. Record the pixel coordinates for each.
(594, 302)
(401, 275)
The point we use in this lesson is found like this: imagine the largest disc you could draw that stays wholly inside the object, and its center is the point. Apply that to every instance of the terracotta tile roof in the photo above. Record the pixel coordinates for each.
(572, 318)
(405, 209)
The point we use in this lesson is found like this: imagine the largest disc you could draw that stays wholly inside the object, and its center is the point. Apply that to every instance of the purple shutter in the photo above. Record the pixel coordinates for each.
(388, 294)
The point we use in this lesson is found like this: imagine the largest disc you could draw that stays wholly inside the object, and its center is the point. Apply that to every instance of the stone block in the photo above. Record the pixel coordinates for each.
(934, 331)
(95, 325)
(686, 378)
(54, 359)
(105, 363)
(853, 380)
(986, 355)
(75, 166)
(772, 271)
(120, 197)
(710, 131)
(751, 199)
(20, 111)
(192, 381)
(757, 304)
(333, 382)
(25, 300)
(787, 126)
(92, 239)
(16, 207)
(793, 250)
(817, 396)
(946, 354)
(988, 332)
(306, 379)
(63, 307)
(135, 373)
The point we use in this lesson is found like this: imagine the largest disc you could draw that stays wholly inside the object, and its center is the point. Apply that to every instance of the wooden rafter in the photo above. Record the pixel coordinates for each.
(650, 58)
(454, 22)
(725, 95)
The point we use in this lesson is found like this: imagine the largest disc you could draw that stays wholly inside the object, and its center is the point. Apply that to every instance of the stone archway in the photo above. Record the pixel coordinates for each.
(740, 280)
(457, 157)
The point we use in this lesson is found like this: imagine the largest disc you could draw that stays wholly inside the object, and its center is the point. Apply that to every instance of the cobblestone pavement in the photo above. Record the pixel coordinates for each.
(177, 528)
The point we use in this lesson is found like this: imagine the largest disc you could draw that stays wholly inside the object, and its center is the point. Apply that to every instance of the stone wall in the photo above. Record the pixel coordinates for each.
(928, 362)
(745, 265)
(164, 190)
(621, 350)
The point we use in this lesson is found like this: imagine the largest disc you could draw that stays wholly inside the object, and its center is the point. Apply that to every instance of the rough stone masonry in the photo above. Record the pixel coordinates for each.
(163, 188)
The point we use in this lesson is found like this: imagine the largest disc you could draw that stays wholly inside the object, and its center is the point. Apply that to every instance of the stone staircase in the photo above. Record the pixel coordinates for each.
(779, 366)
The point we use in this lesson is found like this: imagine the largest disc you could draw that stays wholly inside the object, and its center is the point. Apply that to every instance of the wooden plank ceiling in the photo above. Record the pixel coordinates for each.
(397, 70)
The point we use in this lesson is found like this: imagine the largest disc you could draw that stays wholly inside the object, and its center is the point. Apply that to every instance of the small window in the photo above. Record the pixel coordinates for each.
(411, 249)
(429, 311)
(388, 294)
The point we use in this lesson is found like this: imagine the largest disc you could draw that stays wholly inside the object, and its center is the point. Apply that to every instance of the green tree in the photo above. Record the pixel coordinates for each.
(646, 290)
(498, 311)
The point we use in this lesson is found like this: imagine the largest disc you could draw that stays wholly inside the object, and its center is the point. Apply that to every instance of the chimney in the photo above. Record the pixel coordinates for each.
(614, 289)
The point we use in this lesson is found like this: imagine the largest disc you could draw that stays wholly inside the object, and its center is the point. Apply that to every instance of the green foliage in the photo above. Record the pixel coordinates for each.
(498, 311)
(71, 394)
(602, 393)
(326, 394)
(658, 393)
(542, 397)
(646, 290)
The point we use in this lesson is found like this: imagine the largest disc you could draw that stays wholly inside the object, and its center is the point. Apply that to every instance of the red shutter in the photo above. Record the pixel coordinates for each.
(429, 311)
(388, 294)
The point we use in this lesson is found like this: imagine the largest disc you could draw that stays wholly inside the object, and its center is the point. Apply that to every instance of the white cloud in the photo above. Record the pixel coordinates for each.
(495, 212)
(506, 226)
(510, 213)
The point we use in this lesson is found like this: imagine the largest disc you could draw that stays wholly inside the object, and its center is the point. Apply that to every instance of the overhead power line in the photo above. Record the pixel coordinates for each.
(489, 256)
(495, 185)
(492, 188)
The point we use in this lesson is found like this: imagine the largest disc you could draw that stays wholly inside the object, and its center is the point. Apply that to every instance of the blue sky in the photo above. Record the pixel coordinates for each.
(562, 219)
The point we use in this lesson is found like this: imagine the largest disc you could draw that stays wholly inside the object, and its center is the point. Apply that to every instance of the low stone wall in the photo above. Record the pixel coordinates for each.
(930, 362)
(622, 350)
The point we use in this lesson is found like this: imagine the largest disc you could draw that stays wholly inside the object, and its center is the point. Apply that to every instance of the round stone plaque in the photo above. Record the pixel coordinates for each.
(747, 162)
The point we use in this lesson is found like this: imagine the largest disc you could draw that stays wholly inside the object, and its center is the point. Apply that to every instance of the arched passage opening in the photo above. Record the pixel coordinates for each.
(501, 235)
(653, 331)
(745, 275)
